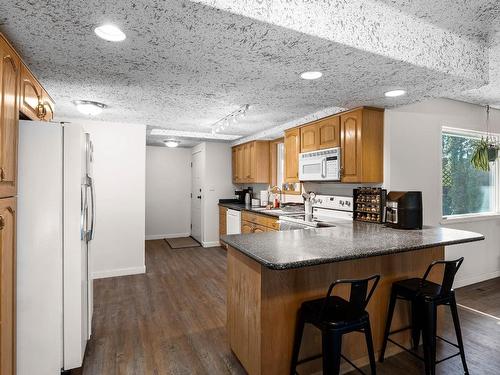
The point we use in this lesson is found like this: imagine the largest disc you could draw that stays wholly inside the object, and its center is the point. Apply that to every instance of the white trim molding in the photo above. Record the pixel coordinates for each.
(163, 236)
(210, 243)
(475, 279)
(118, 272)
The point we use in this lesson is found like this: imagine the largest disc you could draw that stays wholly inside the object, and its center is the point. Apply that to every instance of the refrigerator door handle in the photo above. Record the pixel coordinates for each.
(92, 203)
(83, 212)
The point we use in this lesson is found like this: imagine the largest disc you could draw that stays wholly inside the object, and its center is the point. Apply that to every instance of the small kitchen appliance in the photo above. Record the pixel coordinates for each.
(404, 209)
(241, 194)
(322, 165)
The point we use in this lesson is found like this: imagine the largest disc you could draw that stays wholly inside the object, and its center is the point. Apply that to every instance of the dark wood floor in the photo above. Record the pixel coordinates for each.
(172, 321)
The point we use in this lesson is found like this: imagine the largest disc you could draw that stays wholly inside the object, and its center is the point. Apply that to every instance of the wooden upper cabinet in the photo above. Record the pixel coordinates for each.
(31, 94)
(309, 138)
(329, 132)
(9, 118)
(251, 162)
(362, 142)
(48, 107)
(292, 150)
(7, 285)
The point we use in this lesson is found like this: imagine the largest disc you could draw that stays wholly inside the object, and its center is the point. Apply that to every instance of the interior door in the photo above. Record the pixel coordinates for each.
(196, 197)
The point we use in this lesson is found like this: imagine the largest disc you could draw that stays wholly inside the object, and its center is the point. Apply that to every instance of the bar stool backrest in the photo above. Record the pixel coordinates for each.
(450, 270)
(359, 295)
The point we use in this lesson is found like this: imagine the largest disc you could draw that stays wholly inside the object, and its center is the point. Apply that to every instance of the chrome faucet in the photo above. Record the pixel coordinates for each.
(276, 187)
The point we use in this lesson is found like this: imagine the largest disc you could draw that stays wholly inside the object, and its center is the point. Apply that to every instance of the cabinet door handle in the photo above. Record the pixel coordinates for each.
(2, 174)
(2, 222)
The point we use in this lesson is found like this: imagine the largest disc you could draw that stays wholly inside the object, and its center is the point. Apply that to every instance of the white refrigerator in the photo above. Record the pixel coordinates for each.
(55, 227)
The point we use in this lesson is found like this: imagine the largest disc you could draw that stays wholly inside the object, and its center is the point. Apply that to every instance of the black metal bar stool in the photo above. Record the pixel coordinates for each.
(335, 316)
(425, 296)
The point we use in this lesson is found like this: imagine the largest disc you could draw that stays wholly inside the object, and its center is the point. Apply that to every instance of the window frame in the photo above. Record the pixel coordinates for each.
(496, 182)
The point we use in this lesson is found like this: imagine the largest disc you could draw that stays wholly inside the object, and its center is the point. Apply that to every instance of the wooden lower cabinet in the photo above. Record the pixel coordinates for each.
(256, 223)
(7, 285)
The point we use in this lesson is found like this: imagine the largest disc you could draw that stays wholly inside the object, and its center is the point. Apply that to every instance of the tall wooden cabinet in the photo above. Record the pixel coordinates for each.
(20, 93)
(9, 118)
(251, 162)
(362, 142)
(292, 150)
(7, 285)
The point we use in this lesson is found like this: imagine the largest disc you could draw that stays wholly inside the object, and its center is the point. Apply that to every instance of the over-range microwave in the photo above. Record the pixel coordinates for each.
(321, 165)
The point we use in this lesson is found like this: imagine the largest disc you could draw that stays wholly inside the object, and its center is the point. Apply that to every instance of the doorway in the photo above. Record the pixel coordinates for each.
(196, 197)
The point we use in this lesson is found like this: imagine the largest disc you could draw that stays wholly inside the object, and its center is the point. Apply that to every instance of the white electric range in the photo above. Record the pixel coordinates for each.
(327, 210)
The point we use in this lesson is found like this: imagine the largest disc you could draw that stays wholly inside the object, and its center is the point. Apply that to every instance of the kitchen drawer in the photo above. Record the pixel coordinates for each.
(263, 220)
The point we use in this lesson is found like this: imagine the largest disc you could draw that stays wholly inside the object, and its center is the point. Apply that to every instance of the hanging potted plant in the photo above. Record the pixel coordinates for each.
(486, 150)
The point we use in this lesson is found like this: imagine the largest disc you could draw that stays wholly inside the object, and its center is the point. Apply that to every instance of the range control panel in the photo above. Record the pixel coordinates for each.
(333, 202)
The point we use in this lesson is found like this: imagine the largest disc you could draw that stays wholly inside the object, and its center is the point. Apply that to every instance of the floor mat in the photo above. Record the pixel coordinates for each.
(181, 242)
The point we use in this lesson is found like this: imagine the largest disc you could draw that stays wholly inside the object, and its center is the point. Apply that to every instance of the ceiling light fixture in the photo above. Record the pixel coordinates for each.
(231, 118)
(395, 93)
(171, 133)
(311, 75)
(110, 33)
(171, 143)
(88, 107)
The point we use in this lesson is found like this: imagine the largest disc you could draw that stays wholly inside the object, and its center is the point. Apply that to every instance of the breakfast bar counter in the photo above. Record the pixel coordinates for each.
(270, 274)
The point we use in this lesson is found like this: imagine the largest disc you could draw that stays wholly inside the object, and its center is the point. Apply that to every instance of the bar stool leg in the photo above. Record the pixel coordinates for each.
(332, 350)
(392, 306)
(299, 330)
(416, 325)
(369, 345)
(429, 336)
(458, 332)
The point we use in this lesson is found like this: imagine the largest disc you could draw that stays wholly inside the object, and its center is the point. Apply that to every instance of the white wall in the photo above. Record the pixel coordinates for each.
(216, 184)
(119, 174)
(413, 162)
(168, 188)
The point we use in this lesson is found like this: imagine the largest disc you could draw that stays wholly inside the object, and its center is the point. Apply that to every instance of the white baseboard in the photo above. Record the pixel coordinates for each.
(210, 243)
(475, 279)
(163, 236)
(119, 272)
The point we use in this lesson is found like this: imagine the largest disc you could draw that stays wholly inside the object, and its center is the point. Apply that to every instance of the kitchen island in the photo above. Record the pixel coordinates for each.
(270, 274)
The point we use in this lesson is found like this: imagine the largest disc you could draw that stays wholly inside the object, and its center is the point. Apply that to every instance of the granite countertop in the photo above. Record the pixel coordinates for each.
(347, 241)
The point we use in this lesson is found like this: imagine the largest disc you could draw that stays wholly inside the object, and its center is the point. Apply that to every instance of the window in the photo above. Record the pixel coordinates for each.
(466, 190)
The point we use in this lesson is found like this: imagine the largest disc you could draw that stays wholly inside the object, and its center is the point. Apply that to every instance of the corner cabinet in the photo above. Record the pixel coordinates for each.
(292, 150)
(7, 285)
(35, 103)
(362, 143)
(250, 162)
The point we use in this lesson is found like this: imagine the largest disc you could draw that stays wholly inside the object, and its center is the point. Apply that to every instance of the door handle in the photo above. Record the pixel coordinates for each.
(83, 211)
(92, 203)
(323, 168)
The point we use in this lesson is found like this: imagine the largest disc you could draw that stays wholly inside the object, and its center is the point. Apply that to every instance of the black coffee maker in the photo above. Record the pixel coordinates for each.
(240, 194)
(404, 210)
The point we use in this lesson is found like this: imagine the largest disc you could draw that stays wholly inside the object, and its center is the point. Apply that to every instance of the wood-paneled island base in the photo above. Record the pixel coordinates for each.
(270, 274)
(263, 305)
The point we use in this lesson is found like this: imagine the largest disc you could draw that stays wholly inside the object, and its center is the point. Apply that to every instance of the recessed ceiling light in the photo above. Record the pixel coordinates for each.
(171, 143)
(88, 107)
(110, 33)
(394, 93)
(311, 75)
